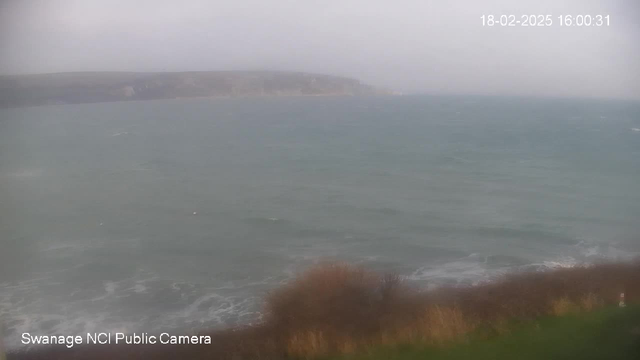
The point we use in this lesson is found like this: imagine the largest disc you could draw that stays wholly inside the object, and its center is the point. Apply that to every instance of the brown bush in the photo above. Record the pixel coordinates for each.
(341, 308)
(336, 308)
(530, 295)
(339, 296)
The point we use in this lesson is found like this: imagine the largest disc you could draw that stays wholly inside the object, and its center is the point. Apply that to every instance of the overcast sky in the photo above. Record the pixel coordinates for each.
(435, 46)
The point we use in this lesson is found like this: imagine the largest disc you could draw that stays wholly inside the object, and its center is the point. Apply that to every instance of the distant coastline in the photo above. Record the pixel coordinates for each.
(93, 87)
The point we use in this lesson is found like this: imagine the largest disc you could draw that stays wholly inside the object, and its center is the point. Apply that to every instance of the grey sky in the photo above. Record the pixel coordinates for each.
(407, 45)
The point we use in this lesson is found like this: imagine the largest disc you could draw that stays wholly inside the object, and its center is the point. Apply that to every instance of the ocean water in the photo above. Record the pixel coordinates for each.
(182, 214)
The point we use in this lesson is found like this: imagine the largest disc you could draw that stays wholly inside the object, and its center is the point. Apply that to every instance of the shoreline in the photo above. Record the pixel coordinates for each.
(529, 295)
(221, 97)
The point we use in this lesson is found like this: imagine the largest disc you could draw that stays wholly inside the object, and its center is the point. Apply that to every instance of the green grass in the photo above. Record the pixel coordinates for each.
(612, 333)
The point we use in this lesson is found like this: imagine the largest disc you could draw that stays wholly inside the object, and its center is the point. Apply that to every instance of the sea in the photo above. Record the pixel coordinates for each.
(183, 214)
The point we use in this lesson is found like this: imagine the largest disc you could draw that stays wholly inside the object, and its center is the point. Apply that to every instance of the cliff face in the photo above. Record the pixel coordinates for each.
(88, 87)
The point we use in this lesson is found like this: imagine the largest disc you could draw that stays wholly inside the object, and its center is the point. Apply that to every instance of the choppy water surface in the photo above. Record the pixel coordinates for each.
(180, 214)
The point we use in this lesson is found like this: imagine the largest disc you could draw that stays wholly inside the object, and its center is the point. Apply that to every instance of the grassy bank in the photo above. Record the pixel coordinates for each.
(611, 333)
(337, 309)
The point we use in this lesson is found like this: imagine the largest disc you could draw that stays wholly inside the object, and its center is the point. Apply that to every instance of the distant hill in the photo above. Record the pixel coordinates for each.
(90, 87)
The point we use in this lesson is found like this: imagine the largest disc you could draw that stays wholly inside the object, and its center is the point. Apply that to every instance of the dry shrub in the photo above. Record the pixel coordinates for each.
(591, 302)
(307, 345)
(441, 324)
(435, 324)
(334, 307)
(526, 296)
(348, 346)
(339, 308)
(563, 306)
(333, 296)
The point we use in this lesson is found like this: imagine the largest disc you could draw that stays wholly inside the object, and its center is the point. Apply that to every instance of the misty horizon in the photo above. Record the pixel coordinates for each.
(408, 46)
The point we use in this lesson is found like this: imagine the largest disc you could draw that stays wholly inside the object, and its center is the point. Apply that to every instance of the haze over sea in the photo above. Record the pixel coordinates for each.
(181, 214)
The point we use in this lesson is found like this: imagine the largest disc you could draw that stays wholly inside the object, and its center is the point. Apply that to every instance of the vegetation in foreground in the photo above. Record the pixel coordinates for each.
(610, 334)
(338, 309)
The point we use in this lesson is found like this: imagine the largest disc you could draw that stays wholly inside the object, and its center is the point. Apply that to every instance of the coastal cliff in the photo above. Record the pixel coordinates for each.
(91, 87)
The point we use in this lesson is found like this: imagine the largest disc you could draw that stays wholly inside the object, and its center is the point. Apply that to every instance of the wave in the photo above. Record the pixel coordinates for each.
(25, 173)
(141, 303)
(150, 303)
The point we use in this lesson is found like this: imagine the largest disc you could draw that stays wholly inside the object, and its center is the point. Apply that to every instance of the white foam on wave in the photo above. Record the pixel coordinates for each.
(216, 309)
(591, 251)
(139, 288)
(462, 271)
(68, 248)
(635, 129)
(565, 263)
(29, 306)
(213, 298)
(109, 288)
(64, 248)
(37, 314)
(473, 269)
(25, 173)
